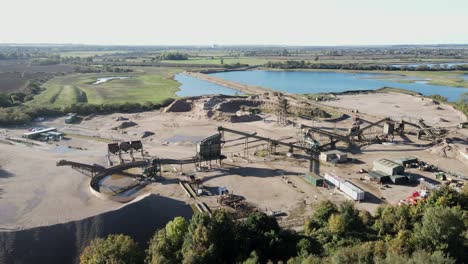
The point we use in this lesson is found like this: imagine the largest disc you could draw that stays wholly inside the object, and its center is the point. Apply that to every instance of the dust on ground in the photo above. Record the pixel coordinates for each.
(35, 192)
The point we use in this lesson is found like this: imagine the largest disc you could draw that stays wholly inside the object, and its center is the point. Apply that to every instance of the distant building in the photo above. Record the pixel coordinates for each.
(333, 156)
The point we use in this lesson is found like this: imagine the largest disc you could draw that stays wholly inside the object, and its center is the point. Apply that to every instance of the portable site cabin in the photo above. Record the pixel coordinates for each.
(333, 155)
(352, 191)
(313, 179)
(333, 179)
(388, 167)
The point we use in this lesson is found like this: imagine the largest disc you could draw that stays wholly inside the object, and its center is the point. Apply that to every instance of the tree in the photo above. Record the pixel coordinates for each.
(311, 259)
(418, 257)
(337, 224)
(391, 219)
(261, 233)
(173, 56)
(4, 100)
(443, 229)
(324, 211)
(166, 244)
(198, 246)
(351, 218)
(448, 197)
(253, 258)
(304, 247)
(355, 254)
(115, 249)
(210, 239)
(403, 243)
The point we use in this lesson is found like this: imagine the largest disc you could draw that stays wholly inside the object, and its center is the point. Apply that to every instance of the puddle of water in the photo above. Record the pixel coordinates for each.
(106, 79)
(180, 138)
(61, 149)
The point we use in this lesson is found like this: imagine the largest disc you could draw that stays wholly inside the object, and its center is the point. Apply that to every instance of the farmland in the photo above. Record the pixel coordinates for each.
(153, 86)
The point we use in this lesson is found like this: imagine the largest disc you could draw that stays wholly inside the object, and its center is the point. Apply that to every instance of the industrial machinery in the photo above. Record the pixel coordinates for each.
(124, 147)
(313, 150)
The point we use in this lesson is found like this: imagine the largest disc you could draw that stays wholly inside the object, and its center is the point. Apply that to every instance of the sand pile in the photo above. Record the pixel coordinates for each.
(126, 124)
(244, 118)
(147, 134)
(212, 102)
(62, 243)
(121, 118)
(451, 148)
(179, 106)
(233, 106)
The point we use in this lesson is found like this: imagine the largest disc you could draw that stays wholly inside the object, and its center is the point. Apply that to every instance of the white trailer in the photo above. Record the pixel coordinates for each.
(334, 179)
(352, 191)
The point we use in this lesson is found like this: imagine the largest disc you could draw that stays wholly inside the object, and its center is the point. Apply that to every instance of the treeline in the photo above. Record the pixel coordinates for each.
(15, 55)
(173, 56)
(27, 93)
(24, 114)
(431, 232)
(296, 64)
(235, 65)
(90, 69)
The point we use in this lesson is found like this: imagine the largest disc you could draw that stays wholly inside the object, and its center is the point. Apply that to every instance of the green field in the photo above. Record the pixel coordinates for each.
(87, 53)
(446, 78)
(155, 85)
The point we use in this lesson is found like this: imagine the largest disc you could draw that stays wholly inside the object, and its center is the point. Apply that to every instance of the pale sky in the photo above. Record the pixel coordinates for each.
(206, 22)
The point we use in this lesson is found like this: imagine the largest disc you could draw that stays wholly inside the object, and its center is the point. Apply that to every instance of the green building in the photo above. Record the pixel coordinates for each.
(388, 167)
(314, 179)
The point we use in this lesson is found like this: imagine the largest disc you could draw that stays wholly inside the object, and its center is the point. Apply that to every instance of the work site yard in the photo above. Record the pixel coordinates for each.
(257, 173)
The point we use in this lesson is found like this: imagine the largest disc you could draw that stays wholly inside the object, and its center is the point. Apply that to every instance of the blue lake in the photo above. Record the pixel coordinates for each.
(191, 86)
(302, 82)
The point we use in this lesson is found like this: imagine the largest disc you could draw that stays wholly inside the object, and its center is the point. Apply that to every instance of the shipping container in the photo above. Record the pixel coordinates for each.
(314, 179)
(352, 191)
(333, 156)
(333, 179)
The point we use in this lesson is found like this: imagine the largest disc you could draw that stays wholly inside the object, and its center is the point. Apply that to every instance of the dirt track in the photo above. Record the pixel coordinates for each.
(248, 89)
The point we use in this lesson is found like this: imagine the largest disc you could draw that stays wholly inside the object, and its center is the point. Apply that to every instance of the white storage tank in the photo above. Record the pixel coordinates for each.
(334, 179)
(352, 191)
